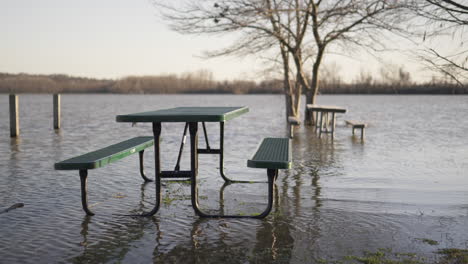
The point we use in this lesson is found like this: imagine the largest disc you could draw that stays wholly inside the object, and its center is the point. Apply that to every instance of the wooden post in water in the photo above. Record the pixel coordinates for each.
(14, 116)
(56, 111)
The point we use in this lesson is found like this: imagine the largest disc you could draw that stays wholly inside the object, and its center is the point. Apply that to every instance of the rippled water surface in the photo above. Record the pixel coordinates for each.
(406, 182)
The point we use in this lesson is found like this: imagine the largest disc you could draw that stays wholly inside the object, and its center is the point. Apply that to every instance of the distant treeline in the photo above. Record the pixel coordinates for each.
(381, 88)
(200, 82)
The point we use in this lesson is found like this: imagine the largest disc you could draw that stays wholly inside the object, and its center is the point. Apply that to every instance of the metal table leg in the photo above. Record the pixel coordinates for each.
(221, 153)
(142, 169)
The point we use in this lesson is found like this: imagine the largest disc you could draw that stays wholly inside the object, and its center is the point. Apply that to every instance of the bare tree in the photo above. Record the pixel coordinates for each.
(344, 24)
(300, 31)
(274, 27)
(449, 18)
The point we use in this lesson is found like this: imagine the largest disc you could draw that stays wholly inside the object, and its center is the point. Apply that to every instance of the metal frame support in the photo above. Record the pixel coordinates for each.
(84, 183)
(157, 168)
(272, 174)
(84, 191)
(142, 168)
(206, 136)
(182, 143)
(191, 174)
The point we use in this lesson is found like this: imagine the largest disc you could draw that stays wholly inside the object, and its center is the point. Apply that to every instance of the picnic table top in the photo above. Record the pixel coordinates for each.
(186, 114)
(326, 108)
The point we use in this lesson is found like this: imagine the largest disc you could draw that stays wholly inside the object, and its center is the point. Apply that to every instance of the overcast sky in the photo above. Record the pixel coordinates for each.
(117, 38)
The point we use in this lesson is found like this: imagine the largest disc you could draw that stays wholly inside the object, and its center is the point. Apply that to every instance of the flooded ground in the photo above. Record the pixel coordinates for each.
(405, 185)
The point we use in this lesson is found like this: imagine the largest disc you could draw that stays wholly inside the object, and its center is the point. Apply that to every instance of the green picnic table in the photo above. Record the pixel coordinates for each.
(273, 153)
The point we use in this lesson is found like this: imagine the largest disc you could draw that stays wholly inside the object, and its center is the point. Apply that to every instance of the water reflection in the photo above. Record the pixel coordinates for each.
(115, 241)
(274, 241)
(15, 146)
(84, 231)
(220, 240)
(209, 240)
(357, 139)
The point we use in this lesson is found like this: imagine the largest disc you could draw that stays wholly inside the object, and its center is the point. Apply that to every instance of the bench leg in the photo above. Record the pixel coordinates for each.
(84, 192)
(362, 133)
(291, 130)
(142, 169)
(353, 129)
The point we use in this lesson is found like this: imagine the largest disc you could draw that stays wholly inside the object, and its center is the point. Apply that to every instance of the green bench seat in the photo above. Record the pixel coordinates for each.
(102, 157)
(107, 155)
(273, 153)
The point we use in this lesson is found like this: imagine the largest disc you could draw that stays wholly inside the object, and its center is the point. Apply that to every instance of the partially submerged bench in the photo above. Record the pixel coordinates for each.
(273, 154)
(358, 125)
(101, 158)
(293, 121)
(322, 118)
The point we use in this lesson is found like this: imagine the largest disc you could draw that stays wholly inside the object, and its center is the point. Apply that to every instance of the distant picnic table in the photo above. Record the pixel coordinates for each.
(323, 121)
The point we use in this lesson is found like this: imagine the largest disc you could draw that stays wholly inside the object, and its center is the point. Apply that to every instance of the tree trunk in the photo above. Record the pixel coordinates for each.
(289, 100)
(311, 94)
(288, 90)
(297, 97)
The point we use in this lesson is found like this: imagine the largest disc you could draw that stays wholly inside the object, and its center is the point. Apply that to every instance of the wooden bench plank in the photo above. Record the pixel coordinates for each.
(104, 156)
(273, 153)
(356, 124)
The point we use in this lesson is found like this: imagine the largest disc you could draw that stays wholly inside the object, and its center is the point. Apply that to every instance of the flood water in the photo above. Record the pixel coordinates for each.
(405, 183)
